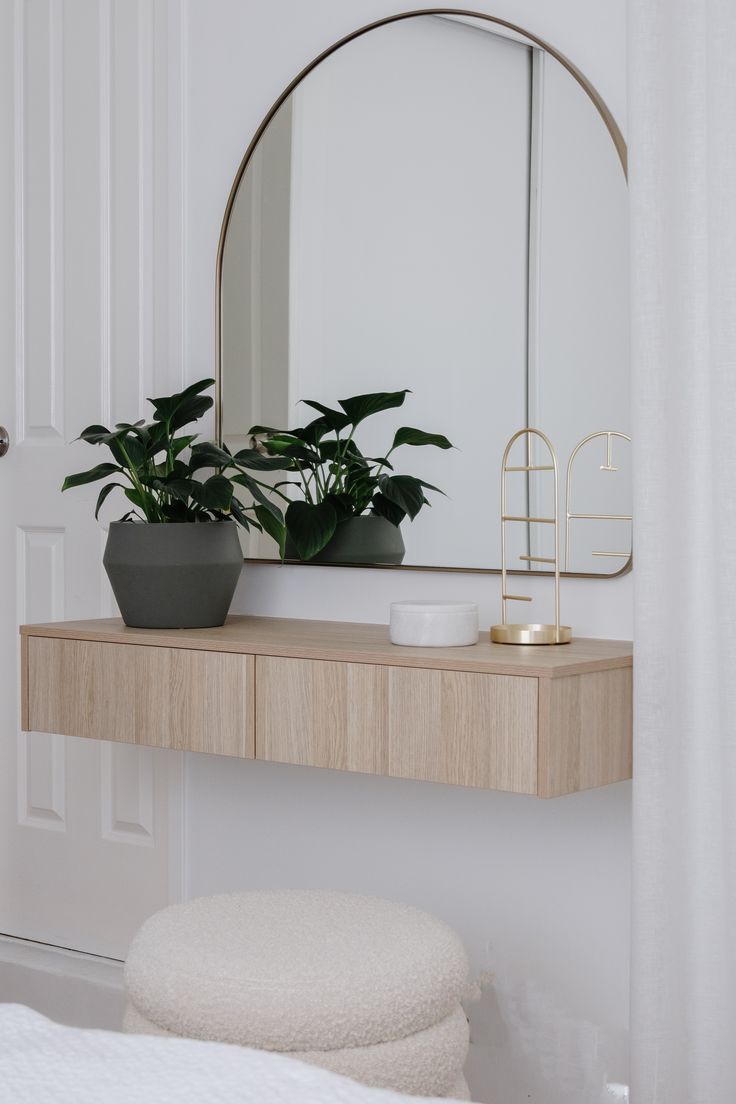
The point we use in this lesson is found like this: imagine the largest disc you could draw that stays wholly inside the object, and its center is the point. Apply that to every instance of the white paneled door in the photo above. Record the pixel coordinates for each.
(90, 324)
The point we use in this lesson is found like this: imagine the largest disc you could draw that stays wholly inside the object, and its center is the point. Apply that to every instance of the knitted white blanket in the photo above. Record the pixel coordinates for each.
(42, 1062)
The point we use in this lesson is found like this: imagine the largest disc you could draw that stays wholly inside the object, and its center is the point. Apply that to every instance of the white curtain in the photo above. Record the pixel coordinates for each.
(682, 136)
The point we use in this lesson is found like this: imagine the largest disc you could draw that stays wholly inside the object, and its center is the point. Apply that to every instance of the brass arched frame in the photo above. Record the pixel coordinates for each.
(618, 141)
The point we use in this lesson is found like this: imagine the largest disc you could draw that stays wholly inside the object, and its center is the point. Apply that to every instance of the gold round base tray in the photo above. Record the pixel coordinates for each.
(530, 634)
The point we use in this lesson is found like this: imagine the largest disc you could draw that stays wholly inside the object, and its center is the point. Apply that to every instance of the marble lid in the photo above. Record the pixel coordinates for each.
(433, 606)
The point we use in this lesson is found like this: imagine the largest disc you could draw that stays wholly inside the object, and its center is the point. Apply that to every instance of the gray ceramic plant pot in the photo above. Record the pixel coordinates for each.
(367, 539)
(173, 576)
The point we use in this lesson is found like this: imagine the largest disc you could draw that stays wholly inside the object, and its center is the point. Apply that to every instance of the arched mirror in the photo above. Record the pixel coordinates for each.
(435, 211)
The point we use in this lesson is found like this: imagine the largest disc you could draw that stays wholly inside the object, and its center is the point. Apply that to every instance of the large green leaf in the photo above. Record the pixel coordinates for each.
(186, 406)
(178, 470)
(80, 478)
(103, 495)
(237, 511)
(151, 437)
(190, 411)
(310, 526)
(130, 425)
(98, 435)
(263, 431)
(128, 450)
(134, 495)
(272, 526)
(289, 445)
(166, 406)
(361, 491)
(405, 491)
(94, 434)
(312, 433)
(214, 494)
(360, 407)
(180, 511)
(244, 480)
(342, 504)
(332, 419)
(175, 487)
(180, 443)
(409, 436)
(358, 472)
(361, 484)
(156, 438)
(328, 450)
(256, 461)
(208, 455)
(385, 508)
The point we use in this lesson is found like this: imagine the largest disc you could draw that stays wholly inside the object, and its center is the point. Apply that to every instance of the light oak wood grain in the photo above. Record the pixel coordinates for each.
(465, 729)
(585, 731)
(439, 726)
(322, 714)
(24, 684)
(164, 697)
(354, 643)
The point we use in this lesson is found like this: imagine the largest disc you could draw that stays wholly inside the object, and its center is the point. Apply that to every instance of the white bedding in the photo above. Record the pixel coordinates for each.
(42, 1062)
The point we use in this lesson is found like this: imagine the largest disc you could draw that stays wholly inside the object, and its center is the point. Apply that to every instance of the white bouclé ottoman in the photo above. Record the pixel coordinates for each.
(361, 986)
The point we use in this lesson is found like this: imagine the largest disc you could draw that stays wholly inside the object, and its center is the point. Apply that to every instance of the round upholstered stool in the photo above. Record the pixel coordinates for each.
(361, 986)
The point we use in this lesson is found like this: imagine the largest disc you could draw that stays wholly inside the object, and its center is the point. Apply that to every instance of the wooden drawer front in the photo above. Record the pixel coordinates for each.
(465, 729)
(439, 726)
(165, 697)
(319, 713)
(585, 729)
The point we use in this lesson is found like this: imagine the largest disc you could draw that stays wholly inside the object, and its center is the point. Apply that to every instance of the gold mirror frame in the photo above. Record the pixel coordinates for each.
(618, 141)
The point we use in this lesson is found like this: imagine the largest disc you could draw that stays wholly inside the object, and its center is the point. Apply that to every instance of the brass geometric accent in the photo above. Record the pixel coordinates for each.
(530, 633)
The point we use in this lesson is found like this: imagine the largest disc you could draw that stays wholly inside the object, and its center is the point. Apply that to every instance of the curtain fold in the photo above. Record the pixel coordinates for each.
(682, 138)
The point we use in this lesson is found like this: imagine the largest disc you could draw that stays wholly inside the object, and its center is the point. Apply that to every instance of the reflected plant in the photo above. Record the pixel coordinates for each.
(334, 479)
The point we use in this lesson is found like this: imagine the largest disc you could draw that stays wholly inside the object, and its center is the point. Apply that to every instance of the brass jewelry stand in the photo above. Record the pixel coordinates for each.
(530, 633)
(609, 466)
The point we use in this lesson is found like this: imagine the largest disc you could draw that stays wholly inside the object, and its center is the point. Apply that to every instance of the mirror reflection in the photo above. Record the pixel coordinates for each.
(439, 210)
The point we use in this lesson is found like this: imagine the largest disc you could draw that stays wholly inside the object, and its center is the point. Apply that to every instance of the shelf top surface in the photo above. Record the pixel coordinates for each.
(348, 642)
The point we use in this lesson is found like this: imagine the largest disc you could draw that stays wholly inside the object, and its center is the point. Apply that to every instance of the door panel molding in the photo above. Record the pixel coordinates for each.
(41, 781)
(127, 799)
(40, 208)
(41, 761)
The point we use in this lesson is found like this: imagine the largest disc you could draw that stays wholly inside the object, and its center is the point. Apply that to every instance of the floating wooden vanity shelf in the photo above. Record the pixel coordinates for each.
(545, 721)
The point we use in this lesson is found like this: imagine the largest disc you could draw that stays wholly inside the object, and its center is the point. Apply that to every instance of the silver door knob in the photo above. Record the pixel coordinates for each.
(4, 441)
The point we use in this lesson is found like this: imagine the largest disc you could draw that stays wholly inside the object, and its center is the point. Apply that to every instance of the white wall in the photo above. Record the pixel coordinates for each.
(538, 891)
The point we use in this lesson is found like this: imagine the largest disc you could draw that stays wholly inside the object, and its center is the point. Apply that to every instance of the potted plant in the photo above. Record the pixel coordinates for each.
(350, 506)
(174, 559)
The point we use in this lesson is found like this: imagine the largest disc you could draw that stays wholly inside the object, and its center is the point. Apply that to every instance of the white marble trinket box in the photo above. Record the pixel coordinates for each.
(434, 624)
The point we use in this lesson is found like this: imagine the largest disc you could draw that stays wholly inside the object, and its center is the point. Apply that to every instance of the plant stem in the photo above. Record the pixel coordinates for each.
(305, 482)
(383, 461)
(338, 474)
(266, 486)
(146, 496)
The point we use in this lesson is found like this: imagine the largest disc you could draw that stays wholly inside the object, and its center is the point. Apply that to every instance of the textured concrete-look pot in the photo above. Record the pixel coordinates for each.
(173, 576)
(367, 539)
